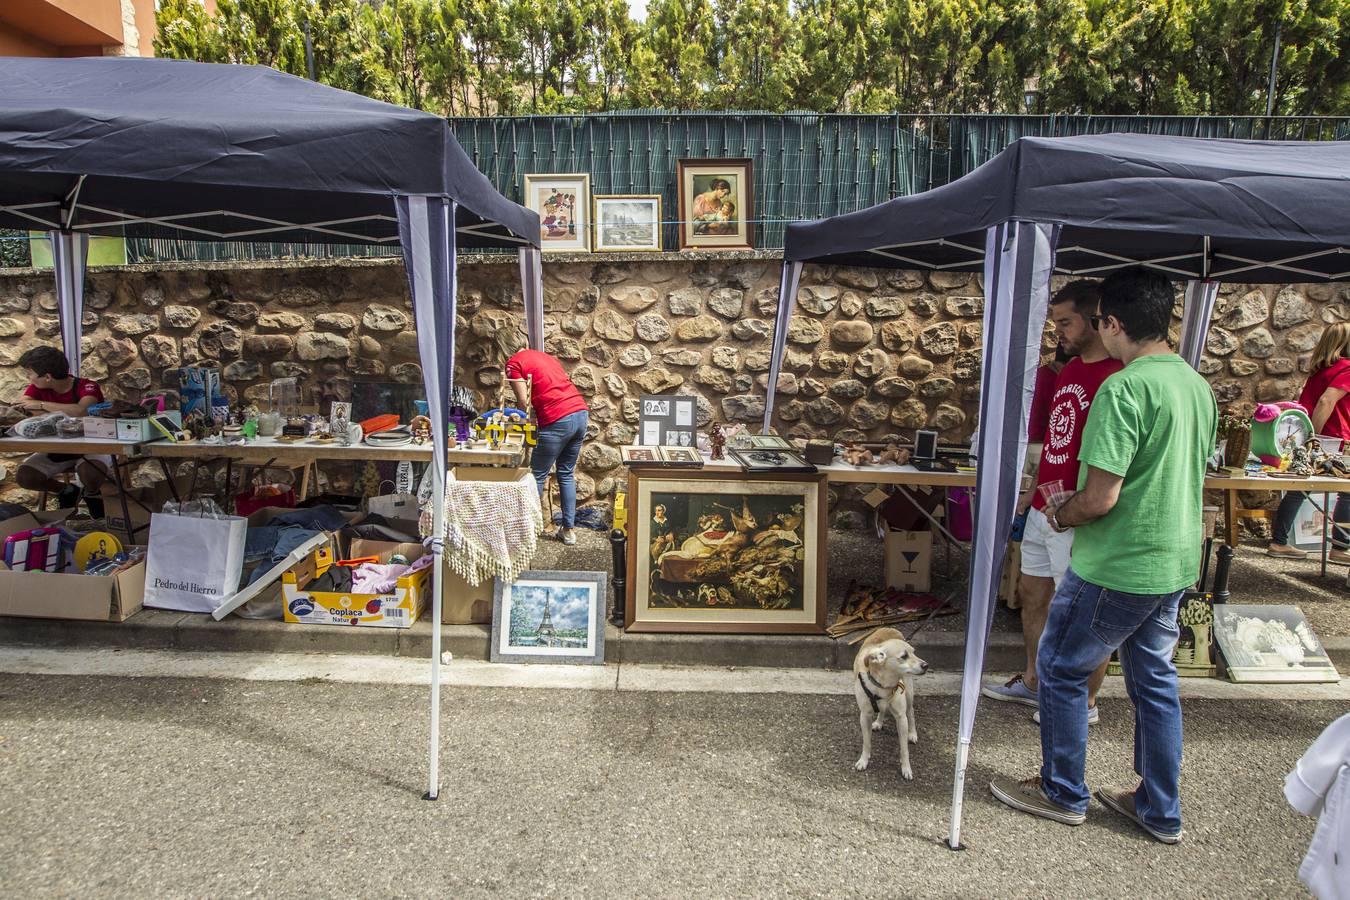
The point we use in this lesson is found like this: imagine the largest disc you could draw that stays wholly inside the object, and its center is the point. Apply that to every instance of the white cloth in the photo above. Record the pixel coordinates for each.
(1320, 786)
(1045, 551)
(492, 528)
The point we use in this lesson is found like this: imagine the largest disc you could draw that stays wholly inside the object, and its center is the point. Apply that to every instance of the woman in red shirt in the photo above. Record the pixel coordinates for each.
(562, 417)
(1326, 396)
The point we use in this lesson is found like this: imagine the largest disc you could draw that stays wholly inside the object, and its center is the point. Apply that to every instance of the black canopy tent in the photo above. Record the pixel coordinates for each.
(160, 148)
(1194, 209)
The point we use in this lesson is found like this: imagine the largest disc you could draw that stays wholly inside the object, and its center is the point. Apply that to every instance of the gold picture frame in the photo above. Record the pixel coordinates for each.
(726, 553)
(563, 202)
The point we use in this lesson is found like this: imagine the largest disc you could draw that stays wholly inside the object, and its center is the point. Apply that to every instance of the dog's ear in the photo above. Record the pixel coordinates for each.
(876, 657)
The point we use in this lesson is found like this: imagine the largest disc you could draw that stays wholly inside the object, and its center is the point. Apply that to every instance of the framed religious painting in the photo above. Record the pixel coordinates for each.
(726, 553)
(627, 223)
(716, 204)
(563, 203)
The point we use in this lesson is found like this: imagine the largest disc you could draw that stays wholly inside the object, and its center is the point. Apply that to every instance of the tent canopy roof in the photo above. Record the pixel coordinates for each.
(1254, 211)
(168, 148)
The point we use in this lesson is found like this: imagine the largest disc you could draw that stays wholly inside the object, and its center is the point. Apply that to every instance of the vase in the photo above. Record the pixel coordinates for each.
(1237, 448)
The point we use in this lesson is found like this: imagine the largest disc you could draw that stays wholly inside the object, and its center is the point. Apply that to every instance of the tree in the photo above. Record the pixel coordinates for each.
(758, 55)
(674, 62)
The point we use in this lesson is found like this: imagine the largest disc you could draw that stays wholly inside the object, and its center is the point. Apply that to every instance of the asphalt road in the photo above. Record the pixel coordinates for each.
(171, 787)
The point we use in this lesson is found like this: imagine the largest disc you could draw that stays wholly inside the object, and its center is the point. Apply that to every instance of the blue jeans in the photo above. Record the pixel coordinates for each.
(1288, 512)
(1085, 624)
(559, 443)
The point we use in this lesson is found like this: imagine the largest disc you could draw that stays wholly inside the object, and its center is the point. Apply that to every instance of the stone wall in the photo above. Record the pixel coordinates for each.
(871, 353)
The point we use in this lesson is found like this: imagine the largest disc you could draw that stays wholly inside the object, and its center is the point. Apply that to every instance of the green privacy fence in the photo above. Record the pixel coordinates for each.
(806, 165)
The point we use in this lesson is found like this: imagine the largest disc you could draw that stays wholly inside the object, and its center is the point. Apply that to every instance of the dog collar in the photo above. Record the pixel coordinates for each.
(875, 698)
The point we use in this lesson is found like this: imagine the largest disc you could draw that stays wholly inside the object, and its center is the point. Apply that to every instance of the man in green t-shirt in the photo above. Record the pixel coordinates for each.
(1137, 522)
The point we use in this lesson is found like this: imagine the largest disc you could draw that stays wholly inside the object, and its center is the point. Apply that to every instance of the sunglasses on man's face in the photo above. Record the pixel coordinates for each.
(1096, 322)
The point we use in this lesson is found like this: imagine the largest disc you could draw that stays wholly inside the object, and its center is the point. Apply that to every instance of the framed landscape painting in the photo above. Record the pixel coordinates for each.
(627, 222)
(563, 203)
(716, 204)
(550, 617)
(726, 553)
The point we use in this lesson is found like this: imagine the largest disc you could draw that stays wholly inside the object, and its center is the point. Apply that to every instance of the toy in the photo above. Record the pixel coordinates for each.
(718, 442)
(97, 546)
(35, 550)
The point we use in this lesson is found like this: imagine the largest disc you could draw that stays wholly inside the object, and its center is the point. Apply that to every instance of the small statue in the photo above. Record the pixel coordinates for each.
(894, 453)
(1301, 463)
(856, 455)
(718, 442)
(420, 427)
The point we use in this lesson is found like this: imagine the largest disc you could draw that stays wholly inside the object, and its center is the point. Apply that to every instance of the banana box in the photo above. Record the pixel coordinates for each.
(398, 608)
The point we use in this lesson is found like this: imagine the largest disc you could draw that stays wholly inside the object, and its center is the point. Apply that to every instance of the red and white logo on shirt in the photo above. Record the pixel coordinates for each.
(1069, 402)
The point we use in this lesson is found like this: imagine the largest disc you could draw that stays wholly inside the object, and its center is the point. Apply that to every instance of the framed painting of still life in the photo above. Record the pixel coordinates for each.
(726, 554)
(563, 203)
(716, 204)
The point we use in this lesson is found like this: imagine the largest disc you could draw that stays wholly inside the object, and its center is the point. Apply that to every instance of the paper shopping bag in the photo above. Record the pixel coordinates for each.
(394, 506)
(193, 563)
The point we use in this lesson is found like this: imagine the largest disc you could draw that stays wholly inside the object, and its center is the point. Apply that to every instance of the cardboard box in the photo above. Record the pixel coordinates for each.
(153, 497)
(142, 430)
(51, 595)
(398, 608)
(461, 602)
(99, 427)
(1009, 586)
(909, 560)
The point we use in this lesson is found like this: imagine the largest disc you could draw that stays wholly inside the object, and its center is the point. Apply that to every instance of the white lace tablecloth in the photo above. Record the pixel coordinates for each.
(492, 528)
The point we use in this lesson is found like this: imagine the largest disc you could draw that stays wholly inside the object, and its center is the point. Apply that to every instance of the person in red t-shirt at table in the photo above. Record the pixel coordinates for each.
(1040, 399)
(1326, 397)
(1045, 551)
(53, 389)
(562, 416)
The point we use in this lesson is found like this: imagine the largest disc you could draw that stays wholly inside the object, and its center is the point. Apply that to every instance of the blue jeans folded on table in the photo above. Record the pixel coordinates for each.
(559, 444)
(1086, 623)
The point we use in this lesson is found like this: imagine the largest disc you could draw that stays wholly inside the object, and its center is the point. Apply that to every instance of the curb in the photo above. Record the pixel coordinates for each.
(154, 629)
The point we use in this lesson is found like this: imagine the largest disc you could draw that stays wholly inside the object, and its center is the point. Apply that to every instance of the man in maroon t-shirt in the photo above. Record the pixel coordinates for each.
(1045, 551)
(53, 389)
(562, 416)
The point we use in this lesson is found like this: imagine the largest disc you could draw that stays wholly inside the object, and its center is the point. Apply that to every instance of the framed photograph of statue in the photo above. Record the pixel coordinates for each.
(564, 206)
(550, 617)
(716, 204)
(726, 553)
(1271, 643)
(627, 223)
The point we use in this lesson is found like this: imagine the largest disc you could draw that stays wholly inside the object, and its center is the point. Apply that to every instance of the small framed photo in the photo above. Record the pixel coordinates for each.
(682, 457)
(769, 442)
(640, 456)
(771, 461)
(627, 222)
(1271, 643)
(550, 617)
(716, 204)
(563, 203)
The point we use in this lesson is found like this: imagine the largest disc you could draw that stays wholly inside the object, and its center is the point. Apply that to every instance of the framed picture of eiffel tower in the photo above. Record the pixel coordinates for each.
(550, 617)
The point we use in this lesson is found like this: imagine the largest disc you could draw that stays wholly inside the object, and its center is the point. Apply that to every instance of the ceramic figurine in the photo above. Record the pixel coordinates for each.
(855, 455)
(894, 454)
(421, 429)
(718, 442)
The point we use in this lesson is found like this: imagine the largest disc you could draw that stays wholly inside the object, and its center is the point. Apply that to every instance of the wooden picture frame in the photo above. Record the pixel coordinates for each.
(683, 579)
(626, 223)
(705, 187)
(569, 602)
(563, 202)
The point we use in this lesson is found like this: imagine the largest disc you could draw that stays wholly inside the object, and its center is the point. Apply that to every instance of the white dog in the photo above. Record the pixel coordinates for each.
(883, 679)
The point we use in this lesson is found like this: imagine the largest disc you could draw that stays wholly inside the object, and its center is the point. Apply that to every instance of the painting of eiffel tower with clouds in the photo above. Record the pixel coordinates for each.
(550, 614)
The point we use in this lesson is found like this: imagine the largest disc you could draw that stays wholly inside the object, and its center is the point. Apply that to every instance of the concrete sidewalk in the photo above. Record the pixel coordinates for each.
(120, 787)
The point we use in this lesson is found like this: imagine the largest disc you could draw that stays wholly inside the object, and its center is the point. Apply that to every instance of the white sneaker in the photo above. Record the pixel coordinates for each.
(1093, 716)
(568, 536)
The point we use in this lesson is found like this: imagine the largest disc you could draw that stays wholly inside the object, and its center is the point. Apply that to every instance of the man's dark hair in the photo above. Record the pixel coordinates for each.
(1083, 294)
(1141, 301)
(46, 361)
